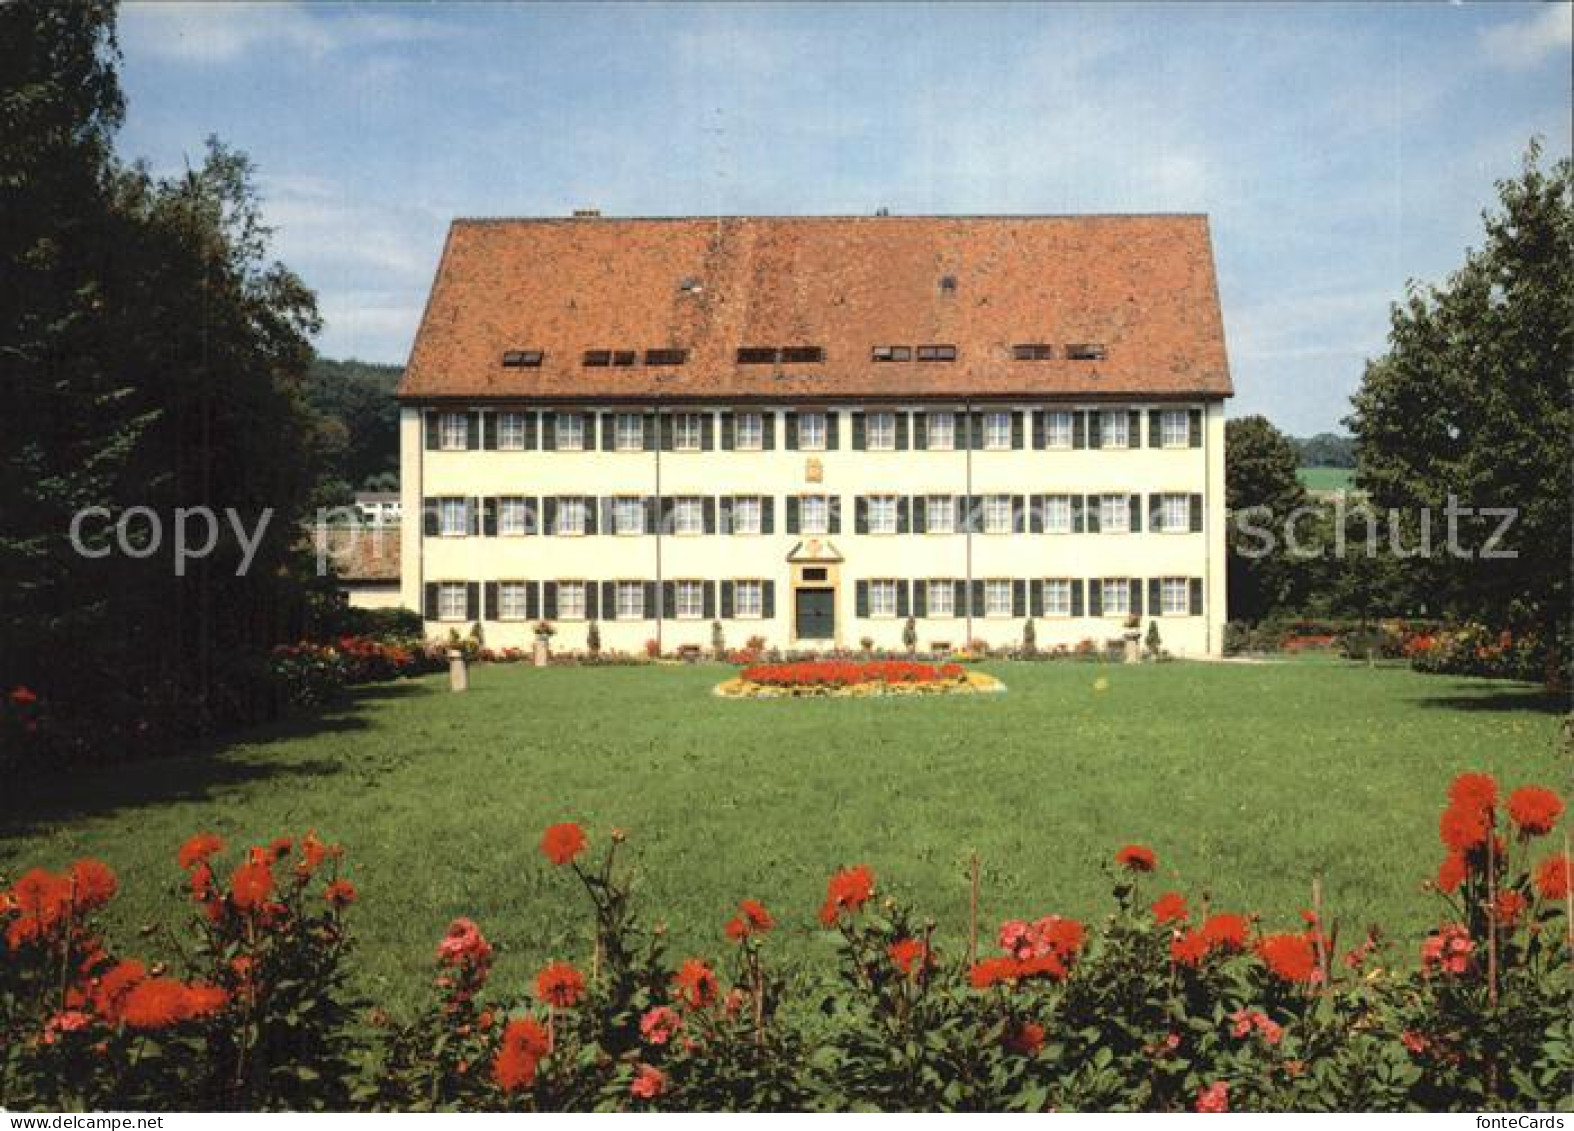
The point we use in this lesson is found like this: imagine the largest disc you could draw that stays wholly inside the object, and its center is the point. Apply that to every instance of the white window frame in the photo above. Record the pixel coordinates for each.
(453, 431)
(1114, 430)
(1057, 514)
(997, 431)
(997, 514)
(510, 431)
(812, 431)
(513, 516)
(819, 506)
(997, 597)
(628, 515)
(568, 430)
(747, 514)
(1057, 597)
(571, 600)
(1174, 597)
(880, 431)
(452, 602)
(513, 600)
(942, 439)
(882, 514)
(1115, 514)
(689, 599)
(946, 592)
(688, 431)
(1174, 428)
(571, 505)
(748, 599)
(748, 432)
(628, 432)
(1121, 588)
(882, 597)
(628, 600)
(453, 516)
(688, 515)
(1059, 426)
(942, 507)
(1174, 513)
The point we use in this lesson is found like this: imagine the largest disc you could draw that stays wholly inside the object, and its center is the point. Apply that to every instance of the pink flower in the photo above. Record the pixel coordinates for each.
(659, 1024)
(1214, 1098)
(648, 1082)
(1448, 950)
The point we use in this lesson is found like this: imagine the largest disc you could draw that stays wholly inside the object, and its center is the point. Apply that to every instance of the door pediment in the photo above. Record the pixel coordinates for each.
(814, 550)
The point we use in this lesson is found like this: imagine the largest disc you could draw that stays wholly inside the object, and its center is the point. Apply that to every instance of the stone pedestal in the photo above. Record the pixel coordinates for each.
(541, 654)
(1133, 653)
(458, 671)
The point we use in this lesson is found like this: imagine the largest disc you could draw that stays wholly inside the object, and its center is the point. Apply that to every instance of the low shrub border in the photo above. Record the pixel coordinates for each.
(1165, 1004)
(855, 678)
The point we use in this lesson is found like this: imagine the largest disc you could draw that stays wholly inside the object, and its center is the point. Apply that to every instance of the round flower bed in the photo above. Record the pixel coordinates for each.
(853, 678)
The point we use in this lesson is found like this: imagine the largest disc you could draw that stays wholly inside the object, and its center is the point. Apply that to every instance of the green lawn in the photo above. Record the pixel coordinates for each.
(1326, 478)
(1247, 780)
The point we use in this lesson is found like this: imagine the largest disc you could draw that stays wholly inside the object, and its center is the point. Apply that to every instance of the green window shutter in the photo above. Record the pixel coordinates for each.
(1136, 595)
(975, 599)
(1194, 428)
(1091, 511)
(959, 432)
(1155, 596)
(651, 610)
(651, 511)
(549, 515)
(429, 517)
(490, 591)
(1095, 430)
(1076, 596)
(433, 435)
(976, 439)
(532, 431)
(589, 425)
(1036, 598)
(669, 600)
(904, 601)
(707, 432)
(862, 600)
(708, 508)
(1134, 502)
(1079, 518)
(1037, 505)
(921, 431)
(918, 509)
(549, 600)
(608, 431)
(1079, 430)
(959, 598)
(592, 521)
(666, 433)
(959, 513)
(832, 431)
(1155, 428)
(609, 599)
(429, 600)
(489, 516)
(792, 432)
(1196, 514)
(669, 508)
(860, 515)
(920, 599)
(1016, 430)
(901, 431)
(1019, 598)
(860, 438)
(489, 431)
(472, 600)
(1095, 597)
(1038, 430)
(728, 438)
(726, 600)
(648, 428)
(473, 517)
(768, 432)
(710, 600)
(1194, 596)
(473, 431)
(904, 512)
(768, 599)
(833, 508)
(549, 431)
(1134, 428)
(1019, 514)
(792, 514)
(768, 514)
(532, 600)
(592, 600)
(1156, 514)
(724, 515)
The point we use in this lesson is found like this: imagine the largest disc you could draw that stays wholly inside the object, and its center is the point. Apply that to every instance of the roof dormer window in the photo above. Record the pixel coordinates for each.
(757, 355)
(892, 353)
(799, 355)
(1085, 351)
(936, 353)
(1033, 351)
(666, 357)
(529, 359)
(601, 359)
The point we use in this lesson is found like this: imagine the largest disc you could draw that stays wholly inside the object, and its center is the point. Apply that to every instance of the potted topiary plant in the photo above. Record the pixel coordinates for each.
(1133, 637)
(910, 636)
(718, 641)
(1152, 642)
(1029, 641)
(593, 640)
(544, 634)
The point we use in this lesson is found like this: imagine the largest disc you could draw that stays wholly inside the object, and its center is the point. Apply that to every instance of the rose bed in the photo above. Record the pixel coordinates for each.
(855, 679)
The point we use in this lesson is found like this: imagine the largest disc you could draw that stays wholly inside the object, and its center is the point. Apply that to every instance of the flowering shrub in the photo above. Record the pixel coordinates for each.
(1165, 1004)
(849, 673)
(309, 675)
(1474, 649)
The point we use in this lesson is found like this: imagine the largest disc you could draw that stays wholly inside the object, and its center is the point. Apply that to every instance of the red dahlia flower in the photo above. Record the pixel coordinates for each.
(251, 884)
(659, 1025)
(339, 894)
(1137, 858)
(1292, 958)
(199, 848)
(1552, 877)
(1026, 1038)
(562, 842)
(1472, 790)
(1226, 931)
(525, 1042)
(848, 890)
(1535, 809)
(1451, 872)
(1170, 908)
(1462, 827)
(561, 985)
(648, 1083)
(910, 956)
(695, 983)
(93, 883)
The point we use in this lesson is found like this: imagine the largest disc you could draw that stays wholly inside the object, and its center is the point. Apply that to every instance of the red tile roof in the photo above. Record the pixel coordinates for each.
(1142, 286)
(360, 553)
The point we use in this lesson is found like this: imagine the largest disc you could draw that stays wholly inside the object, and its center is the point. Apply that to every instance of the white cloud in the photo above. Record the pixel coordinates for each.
(1524, 43)
(219, 33)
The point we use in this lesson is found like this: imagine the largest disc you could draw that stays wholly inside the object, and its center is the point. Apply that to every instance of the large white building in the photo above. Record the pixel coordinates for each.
(815, 428)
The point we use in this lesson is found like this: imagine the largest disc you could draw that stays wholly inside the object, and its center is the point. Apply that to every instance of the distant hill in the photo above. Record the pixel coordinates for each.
(359, 431)
(1326, 449)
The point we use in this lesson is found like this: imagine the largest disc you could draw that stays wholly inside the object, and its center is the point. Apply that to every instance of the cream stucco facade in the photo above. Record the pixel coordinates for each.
(1194, 554)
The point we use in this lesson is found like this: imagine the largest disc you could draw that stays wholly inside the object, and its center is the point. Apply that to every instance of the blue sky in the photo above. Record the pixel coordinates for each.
(1339, 150)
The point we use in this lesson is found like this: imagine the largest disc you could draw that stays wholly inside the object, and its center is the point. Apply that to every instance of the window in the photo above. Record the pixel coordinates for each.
(997, 514)
(811, 431)
(629, 432)
(513, 515)
(570, 430)
(1116, 596)
(571, 516)
(880, 432)
(688, 516)
(1085, 351)
(1057, 514)
(882, 514)
(1057, 429)
(997, 431)
(748, 599)
(1173, 596)
(686, 431)
(941, 431)
(511, 431)
(454, 434)
(666, 357)
(749, 431)
(511, 600)
(940, 514)
(690, 600)
(1113, 430)
(1034, 351)
(453, 517)
(514, 359)
(746, 514)
(630, 600)
(798, 355)
(600, 359)
(997, 598)
(451, 604)
(570, 600)
(1174, 428)
(892, 353)
(882, 598)
(757, 355)
(1174, 514)
(628, 515)
(815, 514)
(1114, 514)
(940, 598)
(936, 353)
(1057, 597)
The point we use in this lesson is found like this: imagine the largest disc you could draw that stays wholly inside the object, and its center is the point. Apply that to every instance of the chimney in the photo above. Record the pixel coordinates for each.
(587, 213)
